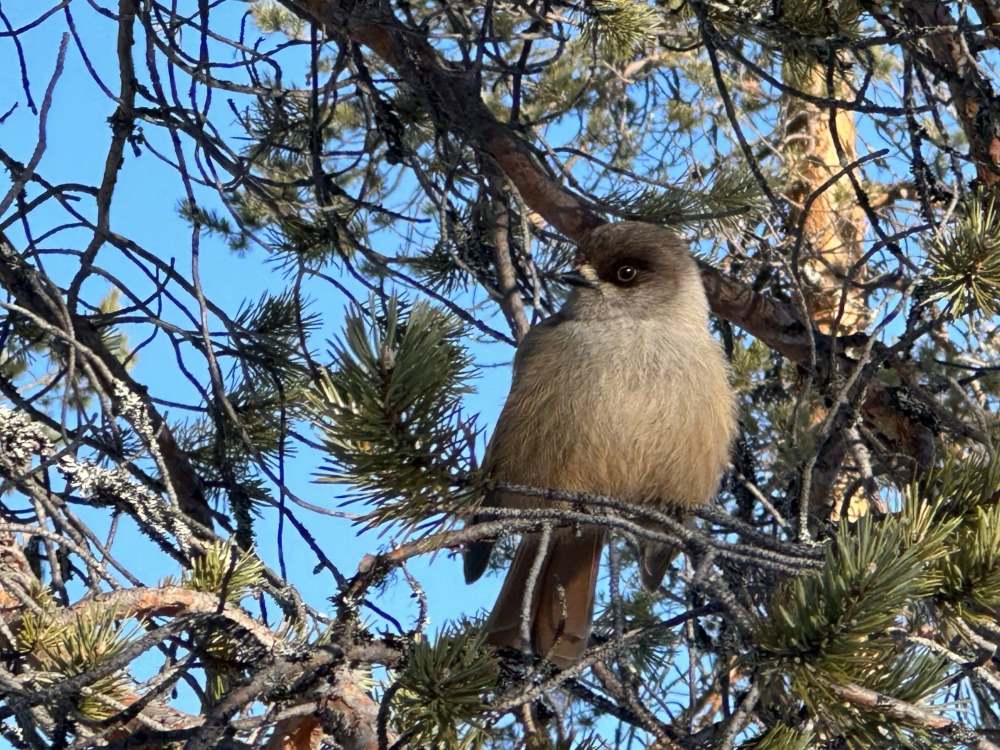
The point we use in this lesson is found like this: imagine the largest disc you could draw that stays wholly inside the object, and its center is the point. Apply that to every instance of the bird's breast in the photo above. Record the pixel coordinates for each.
(636, 410)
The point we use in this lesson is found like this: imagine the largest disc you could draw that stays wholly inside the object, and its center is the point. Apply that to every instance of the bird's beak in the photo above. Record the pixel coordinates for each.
(583, 275)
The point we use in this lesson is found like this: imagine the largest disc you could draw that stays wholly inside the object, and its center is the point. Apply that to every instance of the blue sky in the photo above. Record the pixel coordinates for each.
(145, 209)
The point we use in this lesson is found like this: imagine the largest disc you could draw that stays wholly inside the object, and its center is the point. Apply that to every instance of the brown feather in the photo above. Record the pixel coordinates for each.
(476, 555)
(561, 605)
(655, 557)
(503, 627)
(565, 613)
(654, 560)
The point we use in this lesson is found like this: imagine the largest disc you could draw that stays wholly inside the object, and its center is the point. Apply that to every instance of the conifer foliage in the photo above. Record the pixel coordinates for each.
(250, 358)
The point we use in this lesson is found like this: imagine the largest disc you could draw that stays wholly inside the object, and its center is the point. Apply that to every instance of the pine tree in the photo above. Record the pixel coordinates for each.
(415, 178)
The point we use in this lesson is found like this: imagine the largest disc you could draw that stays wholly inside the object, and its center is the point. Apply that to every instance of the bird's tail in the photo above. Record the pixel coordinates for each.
(561, 606)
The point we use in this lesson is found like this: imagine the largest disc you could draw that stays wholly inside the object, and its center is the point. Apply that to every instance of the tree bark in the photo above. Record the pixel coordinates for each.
(973, 98)
(816, 145)
(34, 293)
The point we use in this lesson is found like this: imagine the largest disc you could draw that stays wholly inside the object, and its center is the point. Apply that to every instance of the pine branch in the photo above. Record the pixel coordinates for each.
(886, 705)
(438, 696)
(965, 262)
(390, 412)
(619, 28)
(34, 293)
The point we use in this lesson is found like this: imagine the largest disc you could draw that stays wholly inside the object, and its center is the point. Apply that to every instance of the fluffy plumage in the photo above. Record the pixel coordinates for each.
(624, 392)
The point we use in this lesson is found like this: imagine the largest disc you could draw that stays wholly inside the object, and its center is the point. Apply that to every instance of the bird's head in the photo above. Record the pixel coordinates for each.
(637, 270)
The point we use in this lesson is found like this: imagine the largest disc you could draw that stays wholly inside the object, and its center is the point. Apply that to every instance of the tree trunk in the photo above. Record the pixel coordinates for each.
(833, 224)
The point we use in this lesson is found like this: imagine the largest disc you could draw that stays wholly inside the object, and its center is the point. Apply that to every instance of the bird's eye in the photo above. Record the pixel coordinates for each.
(626, 274)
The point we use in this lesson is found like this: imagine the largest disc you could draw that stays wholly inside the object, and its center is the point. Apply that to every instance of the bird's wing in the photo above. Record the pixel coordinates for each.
(655, 557)
(654, 561)
(476, 556)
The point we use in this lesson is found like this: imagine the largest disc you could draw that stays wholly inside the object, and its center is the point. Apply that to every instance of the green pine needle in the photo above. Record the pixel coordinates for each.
(830, 628)
(226, 570)
(452, 264)
(213, 222)
(272, 17)
(965, 262)
(269, 336)
(731, 195)
(440, 693)
(116, 341)
(654, 651)
(942, 547)
(37, 631)
(781, 737)
(620, 28)
(971, 574)
(959, 487)
(390, 413)
(821, 18)
(85, 643)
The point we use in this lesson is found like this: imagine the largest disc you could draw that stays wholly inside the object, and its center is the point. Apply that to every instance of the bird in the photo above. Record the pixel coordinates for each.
(623, 392)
